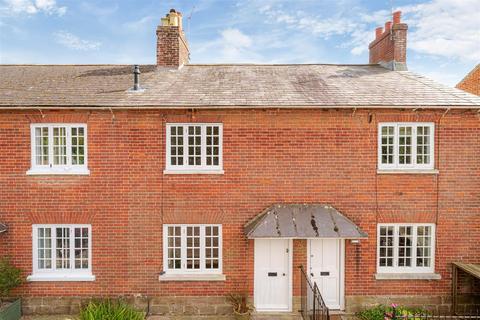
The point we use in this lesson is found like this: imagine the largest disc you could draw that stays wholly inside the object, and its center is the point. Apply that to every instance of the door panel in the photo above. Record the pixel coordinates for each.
(325, 269)
(272, 275)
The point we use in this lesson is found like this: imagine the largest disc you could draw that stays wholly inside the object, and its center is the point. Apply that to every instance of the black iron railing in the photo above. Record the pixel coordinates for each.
(312, 305)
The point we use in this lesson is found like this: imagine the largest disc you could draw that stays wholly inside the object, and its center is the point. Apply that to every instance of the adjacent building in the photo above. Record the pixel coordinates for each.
(471, 82)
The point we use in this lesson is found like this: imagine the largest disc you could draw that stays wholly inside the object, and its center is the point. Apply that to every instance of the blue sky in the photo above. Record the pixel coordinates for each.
(443, 39)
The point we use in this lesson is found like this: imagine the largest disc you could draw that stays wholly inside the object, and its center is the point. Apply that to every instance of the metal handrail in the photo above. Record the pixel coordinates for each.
(312, 304)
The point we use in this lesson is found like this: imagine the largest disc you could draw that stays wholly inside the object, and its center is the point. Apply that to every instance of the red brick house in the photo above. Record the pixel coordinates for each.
(201, 180)
(471, 82)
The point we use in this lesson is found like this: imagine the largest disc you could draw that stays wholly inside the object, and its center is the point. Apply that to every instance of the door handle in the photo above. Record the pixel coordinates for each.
(283, 274)
(311, 274)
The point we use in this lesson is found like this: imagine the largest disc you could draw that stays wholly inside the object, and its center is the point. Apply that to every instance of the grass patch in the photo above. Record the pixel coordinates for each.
(109, 310)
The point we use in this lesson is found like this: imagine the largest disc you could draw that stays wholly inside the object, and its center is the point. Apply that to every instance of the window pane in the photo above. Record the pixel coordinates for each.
(194, 145)
(78, 146)
(174, 247)
(81, 248)
(387, 146)
(423, 145)
(176, 145)
(405, 245)
(424, 243)
(211, 247)
(405, 145)
(41, 146)
(212, 147)
(59, 146)
(193, 247)
(44, 248)
(63, 248)
(386, 246)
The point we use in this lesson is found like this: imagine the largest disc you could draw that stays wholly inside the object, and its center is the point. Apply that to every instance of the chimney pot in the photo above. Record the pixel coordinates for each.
(388, 26)
(172, 47)
(391, 51)
(397, 17)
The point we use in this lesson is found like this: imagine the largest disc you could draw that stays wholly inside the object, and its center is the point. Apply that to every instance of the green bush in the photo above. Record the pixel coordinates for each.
(378, 312)
(109, 310)
(10, 277)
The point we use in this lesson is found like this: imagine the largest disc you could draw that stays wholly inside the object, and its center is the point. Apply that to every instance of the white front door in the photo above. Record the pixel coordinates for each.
(272, 290)
(326, 269)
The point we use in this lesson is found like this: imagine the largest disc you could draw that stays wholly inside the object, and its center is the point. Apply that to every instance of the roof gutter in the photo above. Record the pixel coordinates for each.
(214, 107)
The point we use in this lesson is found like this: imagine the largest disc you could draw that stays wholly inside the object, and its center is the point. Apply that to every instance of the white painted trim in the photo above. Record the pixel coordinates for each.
(342, 274)
(51, 169)
(192, 277)
(194, 169)
(188, 272)
(406, 270)
(342, 266)
(53, 274)
(396, 165)
(290, 280)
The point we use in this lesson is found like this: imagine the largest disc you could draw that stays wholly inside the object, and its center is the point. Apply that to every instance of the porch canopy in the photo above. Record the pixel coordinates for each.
(302, 221)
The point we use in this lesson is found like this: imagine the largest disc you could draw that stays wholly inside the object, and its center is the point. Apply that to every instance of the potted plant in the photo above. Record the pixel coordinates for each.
(10, 277)
(242, 309)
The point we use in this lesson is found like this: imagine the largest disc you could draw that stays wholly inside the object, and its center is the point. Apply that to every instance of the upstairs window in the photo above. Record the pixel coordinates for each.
(59, 149)
(62, 253)
(406, 146)
(192, 249)
(406, 248)
(194, 148)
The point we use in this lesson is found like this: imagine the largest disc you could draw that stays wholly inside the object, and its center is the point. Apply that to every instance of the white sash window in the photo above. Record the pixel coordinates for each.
(59, 149)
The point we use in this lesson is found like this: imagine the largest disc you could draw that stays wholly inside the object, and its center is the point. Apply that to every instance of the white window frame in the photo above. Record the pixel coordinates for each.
(396, 163)
(53, 274)
(193, 169)
(184, 270)
(51, 168)
(412, 269)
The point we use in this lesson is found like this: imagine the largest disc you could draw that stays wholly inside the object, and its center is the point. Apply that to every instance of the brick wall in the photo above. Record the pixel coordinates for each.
(302, 156)
(471, 83)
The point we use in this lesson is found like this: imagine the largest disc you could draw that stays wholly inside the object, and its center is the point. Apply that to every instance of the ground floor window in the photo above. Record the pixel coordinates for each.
(192, 248)
(406, 248)
(62, 252)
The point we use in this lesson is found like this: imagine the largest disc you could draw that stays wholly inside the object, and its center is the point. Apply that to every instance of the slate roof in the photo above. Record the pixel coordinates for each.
(224, 86)
(302, 221)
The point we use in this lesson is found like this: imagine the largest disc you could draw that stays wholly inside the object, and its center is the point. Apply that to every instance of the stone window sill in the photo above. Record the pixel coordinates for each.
(63, 172)
(192, 277)
(61, 277)
(408, 276)
(407, 171)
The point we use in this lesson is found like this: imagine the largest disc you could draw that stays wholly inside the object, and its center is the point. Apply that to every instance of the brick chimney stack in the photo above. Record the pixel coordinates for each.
(389, 48)
(172, 46)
